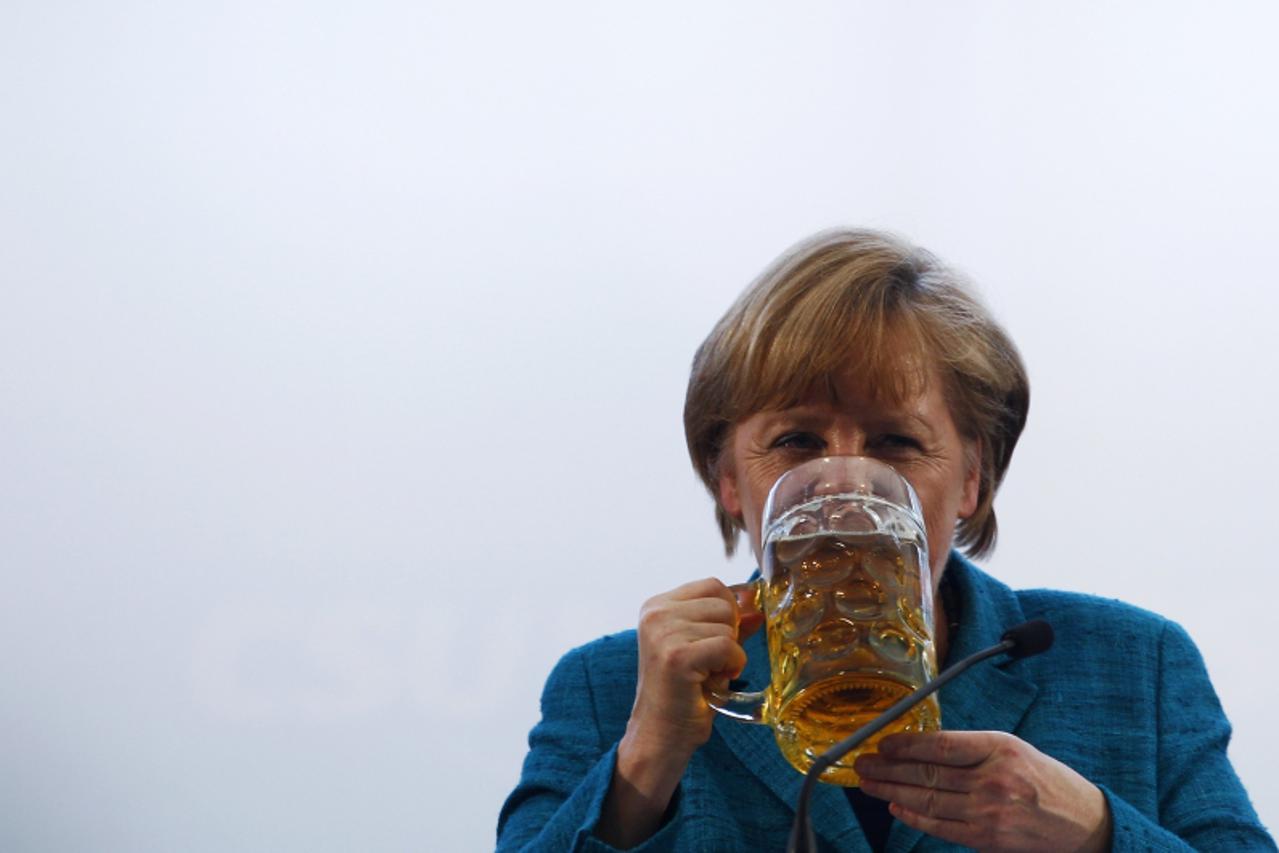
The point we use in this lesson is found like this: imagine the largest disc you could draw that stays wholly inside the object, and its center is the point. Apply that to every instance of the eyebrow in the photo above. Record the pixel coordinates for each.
(807, 415)
(920, 423)
(798, 415)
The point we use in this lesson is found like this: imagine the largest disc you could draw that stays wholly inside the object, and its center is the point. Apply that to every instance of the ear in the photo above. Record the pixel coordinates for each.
(729, 497)
(972, 479)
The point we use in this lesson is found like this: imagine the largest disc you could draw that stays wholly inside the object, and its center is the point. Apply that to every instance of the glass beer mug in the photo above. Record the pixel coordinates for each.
(847, 594)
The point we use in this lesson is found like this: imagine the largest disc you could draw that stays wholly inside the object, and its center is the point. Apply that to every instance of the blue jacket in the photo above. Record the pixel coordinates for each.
(1122, 697)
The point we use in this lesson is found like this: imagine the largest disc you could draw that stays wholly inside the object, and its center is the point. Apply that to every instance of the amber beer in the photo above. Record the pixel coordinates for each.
(847, 638)
(846, 590)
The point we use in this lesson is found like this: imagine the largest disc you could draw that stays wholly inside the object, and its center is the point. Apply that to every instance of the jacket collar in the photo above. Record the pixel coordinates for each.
(991, 696)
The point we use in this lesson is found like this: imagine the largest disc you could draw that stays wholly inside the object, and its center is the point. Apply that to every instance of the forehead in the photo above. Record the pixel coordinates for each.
(891, 369)
(850, 395)
(913, 393)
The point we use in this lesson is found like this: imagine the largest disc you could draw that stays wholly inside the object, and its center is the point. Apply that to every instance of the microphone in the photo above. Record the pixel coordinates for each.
(1027, 639)
(1021, 641)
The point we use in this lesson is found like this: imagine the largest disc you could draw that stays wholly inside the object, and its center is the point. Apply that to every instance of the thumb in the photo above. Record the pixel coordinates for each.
(749, 617)
(749, 624)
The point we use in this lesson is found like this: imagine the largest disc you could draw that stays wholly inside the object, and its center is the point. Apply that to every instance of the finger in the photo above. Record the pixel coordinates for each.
(954, 831)
(662, 615)
(947, 805)
(703, 610)
(702, 659)
(667, 644)
(704, 588)
(871, 766)
(953, 749)
(691, 632)
(747, 596)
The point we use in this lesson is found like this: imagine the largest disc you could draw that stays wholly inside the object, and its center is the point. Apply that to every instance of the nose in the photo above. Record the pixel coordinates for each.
(846, 442)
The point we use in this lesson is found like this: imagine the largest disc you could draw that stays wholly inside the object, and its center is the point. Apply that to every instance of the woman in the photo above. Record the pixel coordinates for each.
(857, 344)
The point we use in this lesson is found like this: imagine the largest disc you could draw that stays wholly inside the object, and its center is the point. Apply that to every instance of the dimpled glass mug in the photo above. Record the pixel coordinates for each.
(847, 594)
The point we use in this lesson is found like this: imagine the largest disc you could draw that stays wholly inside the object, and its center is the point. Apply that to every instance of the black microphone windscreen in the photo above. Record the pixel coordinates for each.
(1031, 638)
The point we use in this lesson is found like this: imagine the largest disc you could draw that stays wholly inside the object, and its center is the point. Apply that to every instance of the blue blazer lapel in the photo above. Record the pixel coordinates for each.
(755, 747)
(993, 696)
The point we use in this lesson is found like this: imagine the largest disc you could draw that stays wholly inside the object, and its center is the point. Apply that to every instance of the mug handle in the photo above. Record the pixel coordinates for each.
(741, 705)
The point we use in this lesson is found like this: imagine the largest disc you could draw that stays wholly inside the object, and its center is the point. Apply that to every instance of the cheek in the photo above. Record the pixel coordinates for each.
(940, 532)
(941, 506)
(753, 499)
(754, 494)
(757, 479)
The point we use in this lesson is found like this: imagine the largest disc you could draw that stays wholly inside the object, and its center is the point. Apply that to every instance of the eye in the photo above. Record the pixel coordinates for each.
(798, 441)
(896, 443)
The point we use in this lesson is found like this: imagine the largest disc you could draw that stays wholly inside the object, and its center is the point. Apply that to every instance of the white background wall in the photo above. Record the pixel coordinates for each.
(343, 346)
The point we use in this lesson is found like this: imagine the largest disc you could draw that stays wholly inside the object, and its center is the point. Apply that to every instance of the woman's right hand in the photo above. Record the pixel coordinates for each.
(689, 638)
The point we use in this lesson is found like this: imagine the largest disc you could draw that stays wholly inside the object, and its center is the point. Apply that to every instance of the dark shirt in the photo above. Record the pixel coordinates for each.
(873, 815)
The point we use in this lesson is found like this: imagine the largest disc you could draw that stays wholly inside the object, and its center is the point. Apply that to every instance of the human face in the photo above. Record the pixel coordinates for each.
(916, 436)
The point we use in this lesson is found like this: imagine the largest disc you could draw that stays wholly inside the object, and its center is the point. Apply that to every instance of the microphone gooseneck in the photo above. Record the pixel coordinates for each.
(1029, 638)
(1021, 641)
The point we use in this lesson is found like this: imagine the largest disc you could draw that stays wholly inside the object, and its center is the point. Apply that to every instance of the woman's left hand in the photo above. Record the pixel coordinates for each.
(987, 790)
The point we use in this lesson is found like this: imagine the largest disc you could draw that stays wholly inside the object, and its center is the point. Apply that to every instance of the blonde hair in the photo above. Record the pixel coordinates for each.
(890, 312)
